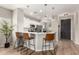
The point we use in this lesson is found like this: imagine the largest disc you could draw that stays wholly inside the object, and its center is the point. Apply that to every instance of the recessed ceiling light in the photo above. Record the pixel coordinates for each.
(31, 13)
(41, 11)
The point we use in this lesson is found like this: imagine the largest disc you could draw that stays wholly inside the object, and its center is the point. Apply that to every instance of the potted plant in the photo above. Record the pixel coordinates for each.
(6, 30)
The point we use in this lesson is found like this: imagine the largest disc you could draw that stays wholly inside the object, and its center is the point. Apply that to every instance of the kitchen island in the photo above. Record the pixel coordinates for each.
(38, 40)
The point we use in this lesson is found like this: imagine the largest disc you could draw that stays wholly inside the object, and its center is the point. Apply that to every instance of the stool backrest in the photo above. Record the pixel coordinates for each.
(50, 37)
(26, 36)
(19, 35)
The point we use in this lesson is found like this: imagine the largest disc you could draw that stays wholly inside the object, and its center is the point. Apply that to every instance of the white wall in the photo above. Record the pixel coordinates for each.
(76, 24)
(20, 20)
(5, 14)
(14, 20)
(55, 26)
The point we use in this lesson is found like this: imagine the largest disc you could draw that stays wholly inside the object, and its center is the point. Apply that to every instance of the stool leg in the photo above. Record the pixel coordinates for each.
(45, 46)
(27, 48)
(49, 46)
(26, 45)
(42, 46)
(29, 43)
(34, 43)
(53, 49)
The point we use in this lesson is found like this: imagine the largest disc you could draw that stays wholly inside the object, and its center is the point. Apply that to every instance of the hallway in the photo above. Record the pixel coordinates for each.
(67, 47)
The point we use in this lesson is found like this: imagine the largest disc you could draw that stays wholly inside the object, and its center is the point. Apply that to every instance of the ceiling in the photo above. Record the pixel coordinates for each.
(43, 10)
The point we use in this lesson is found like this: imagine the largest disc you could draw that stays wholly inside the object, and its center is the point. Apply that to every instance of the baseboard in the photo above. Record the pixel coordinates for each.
(76, 42)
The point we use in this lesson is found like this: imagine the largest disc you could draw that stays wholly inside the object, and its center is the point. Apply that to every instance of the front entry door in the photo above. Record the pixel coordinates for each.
(66, 29)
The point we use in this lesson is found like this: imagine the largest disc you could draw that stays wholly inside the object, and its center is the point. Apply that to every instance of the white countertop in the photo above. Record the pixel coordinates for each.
(38, 32)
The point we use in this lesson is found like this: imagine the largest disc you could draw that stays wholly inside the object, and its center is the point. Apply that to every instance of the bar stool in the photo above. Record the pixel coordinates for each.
(28, 38)
(49, 38)
(19, 40)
